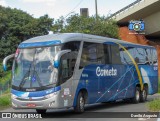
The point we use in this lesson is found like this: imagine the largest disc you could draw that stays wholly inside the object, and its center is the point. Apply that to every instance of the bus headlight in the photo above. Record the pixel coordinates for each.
(49, 95)
(13, 96)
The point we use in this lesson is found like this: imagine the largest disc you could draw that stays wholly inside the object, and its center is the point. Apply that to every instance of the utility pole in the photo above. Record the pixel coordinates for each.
(96, 9)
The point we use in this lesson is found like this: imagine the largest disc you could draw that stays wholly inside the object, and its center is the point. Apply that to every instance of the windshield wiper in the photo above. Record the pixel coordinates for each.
(25, 78)
(38, 79)
(27, 73)
(34, 66)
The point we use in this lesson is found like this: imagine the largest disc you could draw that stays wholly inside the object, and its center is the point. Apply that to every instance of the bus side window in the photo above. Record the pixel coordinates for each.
(106, 53)
(148, 60)
(154, 56)
(141, 55)
(100, 54)
(115, 54)
(125, 59)
(92, 53)
(88, 54)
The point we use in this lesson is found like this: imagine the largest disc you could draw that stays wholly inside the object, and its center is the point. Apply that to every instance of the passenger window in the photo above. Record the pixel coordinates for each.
(140, 55)
(125, 59)
(115, 54)
(154, 57)
(148, 57)
(106, 53)
(92, 53)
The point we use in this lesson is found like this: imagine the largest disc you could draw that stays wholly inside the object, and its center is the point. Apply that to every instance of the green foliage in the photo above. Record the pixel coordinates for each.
(6, 77)
(5, 80)
(1, 71)
(158, 84)
(88, 25)
(154, 105)
(17, 26)
(58, 25)
(5, 101)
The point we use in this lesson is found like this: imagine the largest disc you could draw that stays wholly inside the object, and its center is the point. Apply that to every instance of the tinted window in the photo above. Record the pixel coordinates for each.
(106, 53)
(140, 55)
(73, 46)
(148, 56)
(94, 53)
(154, 56)
(125, 59)
(115, 54)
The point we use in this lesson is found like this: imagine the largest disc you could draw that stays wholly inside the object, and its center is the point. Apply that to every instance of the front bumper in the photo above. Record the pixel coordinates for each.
(53, 102)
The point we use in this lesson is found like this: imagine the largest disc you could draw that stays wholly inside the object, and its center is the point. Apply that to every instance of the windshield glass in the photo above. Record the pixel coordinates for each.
(34, 68)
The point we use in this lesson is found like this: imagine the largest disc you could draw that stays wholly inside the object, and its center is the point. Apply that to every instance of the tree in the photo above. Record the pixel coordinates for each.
(58, 25)
(17, 26)
(88, 25)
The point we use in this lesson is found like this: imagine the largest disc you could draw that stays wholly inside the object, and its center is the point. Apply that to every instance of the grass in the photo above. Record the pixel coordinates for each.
(154, 105)
(5, 101)
(159, 85)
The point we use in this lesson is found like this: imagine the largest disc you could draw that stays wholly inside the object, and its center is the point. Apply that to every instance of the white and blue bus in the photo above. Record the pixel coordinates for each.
(73, 69)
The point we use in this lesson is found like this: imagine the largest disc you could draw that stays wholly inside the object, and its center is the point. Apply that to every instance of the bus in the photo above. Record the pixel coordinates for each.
(69, 70)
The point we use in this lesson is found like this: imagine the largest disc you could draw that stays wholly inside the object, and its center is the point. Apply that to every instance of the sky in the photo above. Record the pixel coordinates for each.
(58, 8)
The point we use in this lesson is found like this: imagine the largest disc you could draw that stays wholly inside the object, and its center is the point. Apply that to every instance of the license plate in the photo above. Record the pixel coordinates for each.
(31, 105)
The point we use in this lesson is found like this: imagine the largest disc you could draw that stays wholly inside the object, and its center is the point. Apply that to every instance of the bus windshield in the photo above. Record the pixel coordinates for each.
(33, 67)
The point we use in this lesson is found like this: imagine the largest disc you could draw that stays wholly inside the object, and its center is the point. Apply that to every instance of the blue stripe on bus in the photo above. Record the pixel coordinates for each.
(39, 44)
(35, 94)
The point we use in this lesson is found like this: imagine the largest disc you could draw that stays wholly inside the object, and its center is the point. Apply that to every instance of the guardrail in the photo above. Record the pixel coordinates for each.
(125, 8)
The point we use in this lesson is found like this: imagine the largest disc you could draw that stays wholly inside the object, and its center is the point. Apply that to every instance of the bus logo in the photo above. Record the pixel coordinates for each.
(106, 72)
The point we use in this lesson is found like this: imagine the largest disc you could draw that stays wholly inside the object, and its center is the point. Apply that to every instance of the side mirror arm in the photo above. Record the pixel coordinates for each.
(5, 61)
(58, 56)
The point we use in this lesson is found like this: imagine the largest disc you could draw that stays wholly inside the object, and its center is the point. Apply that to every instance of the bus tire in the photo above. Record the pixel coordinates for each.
(79, 108)
(143, 94)
(41, 111)
(136, 98)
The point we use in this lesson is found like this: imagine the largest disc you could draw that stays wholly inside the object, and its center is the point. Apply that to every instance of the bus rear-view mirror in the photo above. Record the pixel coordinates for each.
(58, 56)
(5, 60)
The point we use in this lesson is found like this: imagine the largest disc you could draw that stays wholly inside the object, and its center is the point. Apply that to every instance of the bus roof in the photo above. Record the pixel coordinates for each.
(54, 39)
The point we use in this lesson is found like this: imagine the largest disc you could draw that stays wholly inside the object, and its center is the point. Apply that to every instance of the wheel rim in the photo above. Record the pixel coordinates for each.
(144, 94)
(81, 103)
(137, 95)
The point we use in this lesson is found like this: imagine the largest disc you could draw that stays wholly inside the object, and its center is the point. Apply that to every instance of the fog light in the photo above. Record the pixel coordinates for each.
(52, 104)
(14, 105)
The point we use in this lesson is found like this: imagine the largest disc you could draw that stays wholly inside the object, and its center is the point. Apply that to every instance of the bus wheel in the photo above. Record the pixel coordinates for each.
(79, 108)
(143, 94)
(41, 111)
(136, 98)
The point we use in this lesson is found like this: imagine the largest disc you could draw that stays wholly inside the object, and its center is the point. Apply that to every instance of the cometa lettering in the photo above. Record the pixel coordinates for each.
(106, 72)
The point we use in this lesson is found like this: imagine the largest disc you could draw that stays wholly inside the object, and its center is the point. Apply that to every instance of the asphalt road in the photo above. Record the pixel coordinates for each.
(97, 110)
